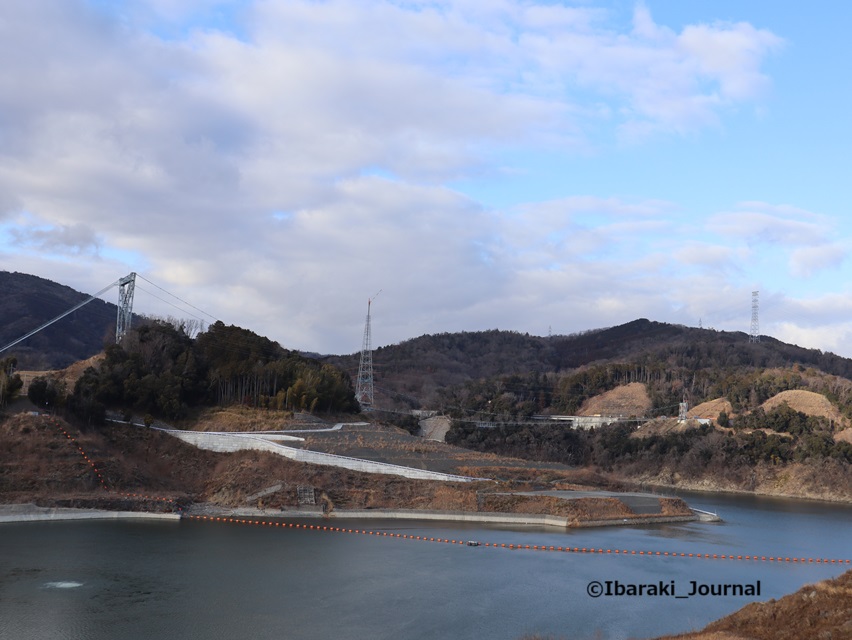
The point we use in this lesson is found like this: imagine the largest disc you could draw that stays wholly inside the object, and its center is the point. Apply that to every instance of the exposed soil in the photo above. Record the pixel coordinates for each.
(830, 481)
(139, 467)
(821, 610)
(813, 404)
(627, 400)
(69, 375)
(385, 443)
(844, 436)
(663, 426)
(711, 409)
(435, 428)
(239, 418)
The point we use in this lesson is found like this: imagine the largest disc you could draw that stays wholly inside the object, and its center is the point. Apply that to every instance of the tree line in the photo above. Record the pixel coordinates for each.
(793, 437)
(159, 369)
(519, 396)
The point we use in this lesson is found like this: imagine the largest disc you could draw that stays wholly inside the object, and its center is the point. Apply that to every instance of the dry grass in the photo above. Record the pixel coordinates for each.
(844, 436)
(663, 426)
(69, 375)
(822, 610)
(627, 400)
(813, 404)
(38, 464)
(711, 409)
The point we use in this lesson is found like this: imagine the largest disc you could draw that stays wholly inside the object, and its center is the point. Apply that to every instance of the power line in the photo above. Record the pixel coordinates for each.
(178, 298)
(59, 317)
(167, 302)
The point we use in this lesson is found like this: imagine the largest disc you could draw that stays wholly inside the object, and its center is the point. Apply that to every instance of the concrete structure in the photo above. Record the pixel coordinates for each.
(228, 442)
(32, 513)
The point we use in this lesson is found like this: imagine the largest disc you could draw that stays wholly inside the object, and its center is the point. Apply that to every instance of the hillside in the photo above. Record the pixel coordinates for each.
(30, 301)
(821, 610)
(430, 371)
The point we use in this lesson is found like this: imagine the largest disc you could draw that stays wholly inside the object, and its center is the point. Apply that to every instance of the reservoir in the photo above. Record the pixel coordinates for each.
(202, 580)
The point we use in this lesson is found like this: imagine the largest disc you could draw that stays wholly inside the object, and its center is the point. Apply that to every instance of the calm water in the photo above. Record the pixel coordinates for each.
(92, 580)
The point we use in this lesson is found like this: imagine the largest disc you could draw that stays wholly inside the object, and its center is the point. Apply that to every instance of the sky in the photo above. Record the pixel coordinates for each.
(542, 167)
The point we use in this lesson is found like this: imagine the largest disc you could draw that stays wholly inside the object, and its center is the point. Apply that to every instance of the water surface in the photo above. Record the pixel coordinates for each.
(92, 580)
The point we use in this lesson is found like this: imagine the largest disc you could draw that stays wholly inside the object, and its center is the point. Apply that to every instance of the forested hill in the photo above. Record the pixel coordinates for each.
(29, 301)
(160, 370)
(420, 368)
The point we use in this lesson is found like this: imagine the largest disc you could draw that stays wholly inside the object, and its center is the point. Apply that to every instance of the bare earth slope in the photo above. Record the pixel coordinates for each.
(822, 610)
(711, 409)
(627, 400)
(813, 404)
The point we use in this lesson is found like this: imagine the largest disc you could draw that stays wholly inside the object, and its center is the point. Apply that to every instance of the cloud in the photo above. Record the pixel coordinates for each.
(807, 261)
(762, 223)
(664, 81)
(807, 239)
(710, 257)
(70, 239)
(129, 129)
(755, 227)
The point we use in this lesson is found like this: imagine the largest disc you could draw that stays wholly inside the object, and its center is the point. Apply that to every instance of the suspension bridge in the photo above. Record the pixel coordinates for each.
(126, 286)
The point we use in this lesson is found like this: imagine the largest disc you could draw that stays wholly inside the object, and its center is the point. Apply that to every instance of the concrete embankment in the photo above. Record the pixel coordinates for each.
(488, 517)
(483, 517)
(32, 513)
(227, 442)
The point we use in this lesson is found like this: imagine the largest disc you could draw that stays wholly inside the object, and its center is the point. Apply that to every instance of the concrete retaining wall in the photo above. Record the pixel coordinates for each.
(230, 442)
(29, 513)
(459, 516)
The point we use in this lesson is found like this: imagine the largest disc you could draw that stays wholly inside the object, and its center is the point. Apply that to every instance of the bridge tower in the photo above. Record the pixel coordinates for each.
(364, 384)
(126, 287)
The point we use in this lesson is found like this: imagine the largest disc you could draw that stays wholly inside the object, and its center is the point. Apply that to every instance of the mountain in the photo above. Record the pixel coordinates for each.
(415, 371)
(424, 371)
(29, 301)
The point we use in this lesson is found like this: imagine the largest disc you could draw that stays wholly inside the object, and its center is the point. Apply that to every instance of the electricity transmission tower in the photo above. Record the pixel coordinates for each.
(754, 336)
(126, 287)
(364, 384)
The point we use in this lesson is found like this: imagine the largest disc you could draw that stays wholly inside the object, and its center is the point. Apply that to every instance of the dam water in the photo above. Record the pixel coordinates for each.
(190, 579)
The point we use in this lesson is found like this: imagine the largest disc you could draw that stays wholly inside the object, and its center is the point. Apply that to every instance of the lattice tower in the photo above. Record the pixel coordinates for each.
(126, 287)
(754, 336)
(364, 384)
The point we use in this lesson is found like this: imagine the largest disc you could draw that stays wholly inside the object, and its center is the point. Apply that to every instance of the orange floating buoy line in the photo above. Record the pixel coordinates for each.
(422, 538)
(495, 545)
(100, 477)
(85, 456)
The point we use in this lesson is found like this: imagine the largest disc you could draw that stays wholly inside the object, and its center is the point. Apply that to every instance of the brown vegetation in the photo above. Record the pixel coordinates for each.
(821, 610)
(68, 376)
(830, 481)
(711, 409)
(808, 402)
(627, 400)
(578, 510)
(39, 464)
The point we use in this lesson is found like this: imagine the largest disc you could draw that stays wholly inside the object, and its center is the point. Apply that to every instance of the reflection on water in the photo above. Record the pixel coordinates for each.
(63, 585)
(208, 580)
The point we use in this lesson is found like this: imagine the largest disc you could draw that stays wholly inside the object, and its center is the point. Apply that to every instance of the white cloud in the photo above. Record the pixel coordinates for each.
(72, 239)
(761, 223)
(712, 257)
(183, 152)
(807, 261)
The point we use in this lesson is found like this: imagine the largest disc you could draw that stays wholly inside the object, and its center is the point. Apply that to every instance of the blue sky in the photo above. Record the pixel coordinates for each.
(502, 164)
